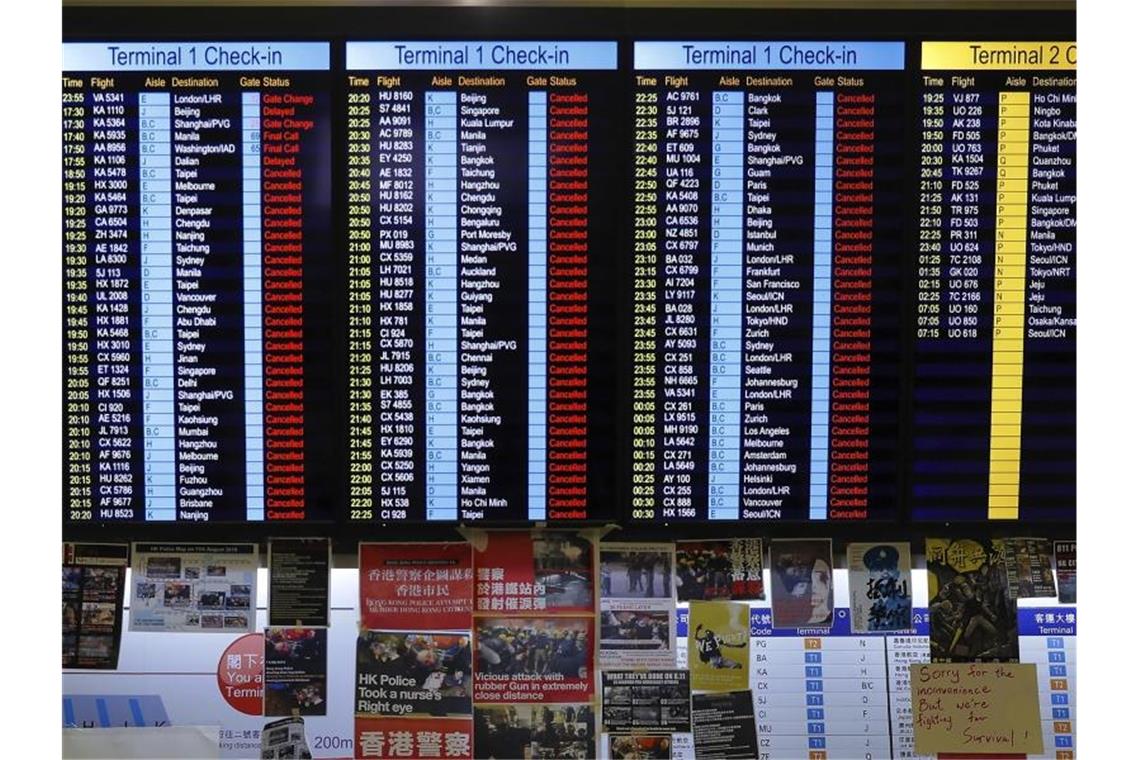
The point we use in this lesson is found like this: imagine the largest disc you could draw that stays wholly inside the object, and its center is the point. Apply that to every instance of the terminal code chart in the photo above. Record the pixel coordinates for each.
(196, 200)
(995, 322)
(478, 196)
(767, 232)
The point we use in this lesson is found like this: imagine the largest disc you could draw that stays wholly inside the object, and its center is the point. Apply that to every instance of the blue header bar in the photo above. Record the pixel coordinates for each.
(480, 55)
(760, 624)
(1047, 621)
(195, 56)
(769, 56)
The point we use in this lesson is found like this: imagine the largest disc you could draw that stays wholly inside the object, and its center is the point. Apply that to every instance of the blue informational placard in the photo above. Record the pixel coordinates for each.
(195, 56)
(769, 55)
(480, 55)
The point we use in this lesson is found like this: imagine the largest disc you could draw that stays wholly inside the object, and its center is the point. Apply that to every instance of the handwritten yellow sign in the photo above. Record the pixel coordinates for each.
(975, 707)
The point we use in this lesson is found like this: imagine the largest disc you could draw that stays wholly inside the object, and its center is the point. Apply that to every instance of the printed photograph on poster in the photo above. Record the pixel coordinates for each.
(1066, 555)
(535, 731)
(724, 727)
(413, 738)
(878, 579)
(803, 593)
(1027, 561)
(640, 747)
(972, 618)
(94, 576)
(296, 671)
(413, 674)
(520, 571)
(208, 588)
(731, 569)
(719, 643)
(299, 581)
(283, 739)
(645, 701)
(534, 659)
(402, 585)
(637, 606)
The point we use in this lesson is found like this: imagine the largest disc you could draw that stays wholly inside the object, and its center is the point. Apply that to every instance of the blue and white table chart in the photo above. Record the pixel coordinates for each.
(767, 235)
(478, 174)
(196, 201)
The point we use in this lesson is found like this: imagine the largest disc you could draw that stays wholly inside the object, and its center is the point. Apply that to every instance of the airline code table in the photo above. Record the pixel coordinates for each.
(193, 202)
(477, 192)
(767, 230)
(995, 358)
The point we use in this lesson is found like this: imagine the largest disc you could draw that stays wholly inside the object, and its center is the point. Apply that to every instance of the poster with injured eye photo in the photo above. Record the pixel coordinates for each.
(803, 594)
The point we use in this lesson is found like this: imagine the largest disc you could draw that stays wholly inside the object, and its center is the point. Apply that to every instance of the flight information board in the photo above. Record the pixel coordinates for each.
(767, 231)
(480, 180)
(196, 204)
(995, 324)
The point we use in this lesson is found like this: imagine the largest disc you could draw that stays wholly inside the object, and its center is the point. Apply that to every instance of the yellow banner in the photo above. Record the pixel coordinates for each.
(999, 56)
(975, 707)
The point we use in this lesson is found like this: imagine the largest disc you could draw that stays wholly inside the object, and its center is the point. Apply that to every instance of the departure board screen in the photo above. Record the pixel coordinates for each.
(995, 325)
(196, 206)
(482, 182)
(767, 230)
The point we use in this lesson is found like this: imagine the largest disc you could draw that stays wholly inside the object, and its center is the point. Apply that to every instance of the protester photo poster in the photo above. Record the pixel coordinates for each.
(1027, 562)
(972, 618)
(535, 731)
(1066, 556)
(724, 727)
(413, 674)
(285, 738)
(730, 569)
(803, 590)
(645, 702)
(547, 659)
(193, 587)
(878, 578)
(719, 643)
(404, 585)
(93, 579)
(299, 570)
(520, 572)
(296, 671)
(637, 607)
(640, 747)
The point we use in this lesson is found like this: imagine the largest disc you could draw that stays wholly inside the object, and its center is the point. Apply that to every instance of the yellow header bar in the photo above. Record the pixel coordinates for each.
(1000, 56)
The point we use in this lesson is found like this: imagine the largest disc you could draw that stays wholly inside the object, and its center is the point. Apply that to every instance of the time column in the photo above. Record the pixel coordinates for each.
(645, 297)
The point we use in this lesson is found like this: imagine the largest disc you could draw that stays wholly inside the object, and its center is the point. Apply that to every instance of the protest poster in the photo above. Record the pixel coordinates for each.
(296, 671)
(1027, 563)
(93, 579)
(299, 571)
(413, 674)
(637, 607)
(193, 587)
(520, 572)
(719, 642)
(534, 659)
(535, 731)
(803, 593)
(404, 585)
(645, 701)
(640, 747)
(878, 580)
(972, 618)
(724, 727)
(285, 739)
(984, 709)
(1066, 556)
(730, 569)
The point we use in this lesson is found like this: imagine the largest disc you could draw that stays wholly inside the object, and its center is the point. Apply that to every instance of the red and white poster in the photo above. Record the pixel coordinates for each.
(523, 573)
(405, 586)
(534, 659)
(413, 737)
